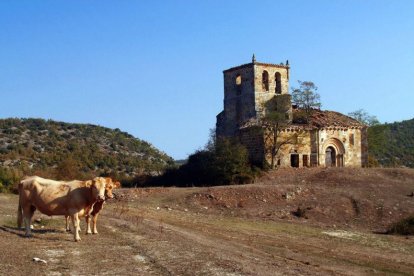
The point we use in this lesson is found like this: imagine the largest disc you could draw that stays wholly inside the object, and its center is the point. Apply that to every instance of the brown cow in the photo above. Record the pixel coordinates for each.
(97, 207)
(55, 198)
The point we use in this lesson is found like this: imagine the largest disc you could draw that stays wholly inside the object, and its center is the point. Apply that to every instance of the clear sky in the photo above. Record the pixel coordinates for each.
(154, 68)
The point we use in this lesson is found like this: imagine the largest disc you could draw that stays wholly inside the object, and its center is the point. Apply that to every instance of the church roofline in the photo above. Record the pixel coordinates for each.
(256, 63)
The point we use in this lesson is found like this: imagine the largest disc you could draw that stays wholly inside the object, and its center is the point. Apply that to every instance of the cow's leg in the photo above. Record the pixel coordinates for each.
(75, 222)
(94, 220)
(67, 224)
(28, 212)
(19, 215)
(88, 224)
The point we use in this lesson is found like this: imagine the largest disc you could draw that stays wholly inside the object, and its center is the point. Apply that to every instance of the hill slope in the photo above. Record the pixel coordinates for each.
(392, 144)
(40, 145)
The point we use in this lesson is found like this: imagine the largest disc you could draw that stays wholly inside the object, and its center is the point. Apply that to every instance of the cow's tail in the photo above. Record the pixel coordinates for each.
(19, 210)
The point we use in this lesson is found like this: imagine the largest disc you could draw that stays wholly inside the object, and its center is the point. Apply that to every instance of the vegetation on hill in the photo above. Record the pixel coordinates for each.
(392, 145)
(67, 151)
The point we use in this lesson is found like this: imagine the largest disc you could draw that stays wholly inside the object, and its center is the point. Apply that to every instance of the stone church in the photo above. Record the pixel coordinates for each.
(328, 139)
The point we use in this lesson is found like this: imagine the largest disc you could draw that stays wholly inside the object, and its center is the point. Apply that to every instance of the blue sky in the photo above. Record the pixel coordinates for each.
(154, 68)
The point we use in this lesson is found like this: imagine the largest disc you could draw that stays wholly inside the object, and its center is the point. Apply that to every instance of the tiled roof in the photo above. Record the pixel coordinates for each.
(319, 119)
(326, 118)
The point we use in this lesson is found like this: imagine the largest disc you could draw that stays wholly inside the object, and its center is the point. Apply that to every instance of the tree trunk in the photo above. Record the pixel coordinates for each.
(274, 145)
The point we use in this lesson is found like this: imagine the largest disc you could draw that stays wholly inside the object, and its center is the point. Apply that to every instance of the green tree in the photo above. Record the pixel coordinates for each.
(363, 117)
(306, 98)
(231, 161)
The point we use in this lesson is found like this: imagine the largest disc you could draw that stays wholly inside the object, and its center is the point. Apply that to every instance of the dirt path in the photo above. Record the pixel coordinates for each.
(137, 238)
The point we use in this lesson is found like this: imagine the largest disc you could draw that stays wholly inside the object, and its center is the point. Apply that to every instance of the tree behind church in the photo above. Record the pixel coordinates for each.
(306, 99)
(275, 118)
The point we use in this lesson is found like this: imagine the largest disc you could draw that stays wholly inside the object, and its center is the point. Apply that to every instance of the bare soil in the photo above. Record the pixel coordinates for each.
(291, 222)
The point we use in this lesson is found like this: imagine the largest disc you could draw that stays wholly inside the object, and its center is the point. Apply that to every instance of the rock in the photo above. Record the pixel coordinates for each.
(38, 220)
(38, 260)
(185, 210)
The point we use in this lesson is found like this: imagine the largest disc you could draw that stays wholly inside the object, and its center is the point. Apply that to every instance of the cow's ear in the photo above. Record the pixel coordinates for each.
(88, 183)
(117, 184)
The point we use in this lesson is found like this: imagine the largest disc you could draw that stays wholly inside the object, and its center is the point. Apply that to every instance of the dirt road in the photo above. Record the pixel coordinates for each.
(160, 232)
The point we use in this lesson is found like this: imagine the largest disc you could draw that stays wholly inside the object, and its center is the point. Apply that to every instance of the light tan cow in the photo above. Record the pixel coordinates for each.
(97, 207)
(55, 198)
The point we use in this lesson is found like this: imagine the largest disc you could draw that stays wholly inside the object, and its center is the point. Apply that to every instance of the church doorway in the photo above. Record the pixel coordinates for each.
(330, 157)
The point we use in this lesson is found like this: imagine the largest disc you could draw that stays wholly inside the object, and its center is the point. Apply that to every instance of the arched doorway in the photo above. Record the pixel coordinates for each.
(330, 157)
(334, 153)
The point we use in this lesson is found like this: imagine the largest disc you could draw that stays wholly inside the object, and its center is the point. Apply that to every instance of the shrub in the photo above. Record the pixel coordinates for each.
(222, 162)
(8, 178)
(403, 227)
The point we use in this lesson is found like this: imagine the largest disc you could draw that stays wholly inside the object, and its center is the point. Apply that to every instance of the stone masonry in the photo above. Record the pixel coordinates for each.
(332, 139)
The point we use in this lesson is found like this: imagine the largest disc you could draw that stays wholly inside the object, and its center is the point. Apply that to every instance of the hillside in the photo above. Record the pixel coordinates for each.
(38, 145)
(392, 144)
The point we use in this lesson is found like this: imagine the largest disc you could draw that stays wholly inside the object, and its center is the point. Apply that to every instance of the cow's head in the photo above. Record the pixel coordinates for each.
(110, 185)
(98, 185)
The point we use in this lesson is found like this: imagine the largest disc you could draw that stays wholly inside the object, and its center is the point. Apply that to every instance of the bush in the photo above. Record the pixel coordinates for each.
(403, 227)
(222, 162)
(8, 178)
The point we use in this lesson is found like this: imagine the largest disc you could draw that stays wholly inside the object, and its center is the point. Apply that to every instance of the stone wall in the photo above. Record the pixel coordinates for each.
(350, 139)
(261, 95)
(238, 100)
(244, 96)
(252, 139)
(310, 147)
(296, 141)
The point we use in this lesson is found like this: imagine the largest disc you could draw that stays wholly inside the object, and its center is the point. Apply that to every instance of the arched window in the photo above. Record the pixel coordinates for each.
(265, 80)
(278, 83)
(238, 83)
(238, 79)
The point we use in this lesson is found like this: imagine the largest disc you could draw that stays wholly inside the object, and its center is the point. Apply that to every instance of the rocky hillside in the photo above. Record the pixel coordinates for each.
(392, 144)
(38, 145)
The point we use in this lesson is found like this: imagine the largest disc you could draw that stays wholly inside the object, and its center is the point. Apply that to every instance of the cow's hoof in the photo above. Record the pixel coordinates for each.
(28, 235)
(88, 233)
(68, 230)
(77, 239)
(95, 233)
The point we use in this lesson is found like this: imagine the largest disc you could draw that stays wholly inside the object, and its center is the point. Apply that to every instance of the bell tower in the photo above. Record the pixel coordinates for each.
(246, 89)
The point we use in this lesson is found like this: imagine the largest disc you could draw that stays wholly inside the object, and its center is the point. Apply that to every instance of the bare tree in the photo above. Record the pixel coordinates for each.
(275, 119)
(306, 98)
(363, 117)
